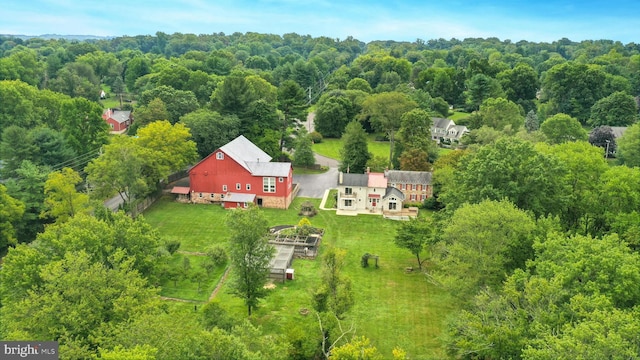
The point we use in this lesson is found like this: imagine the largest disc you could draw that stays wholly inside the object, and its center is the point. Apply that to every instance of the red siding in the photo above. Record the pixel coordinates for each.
(211, 174)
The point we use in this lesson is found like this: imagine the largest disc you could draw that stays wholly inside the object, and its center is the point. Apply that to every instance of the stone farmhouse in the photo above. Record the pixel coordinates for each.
(237, 174)
(383, 193)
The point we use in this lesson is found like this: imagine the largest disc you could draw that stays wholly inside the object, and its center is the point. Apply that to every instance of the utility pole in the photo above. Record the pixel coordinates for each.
(606, 154)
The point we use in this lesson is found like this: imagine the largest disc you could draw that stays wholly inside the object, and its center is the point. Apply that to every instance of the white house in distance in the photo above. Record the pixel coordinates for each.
(445, 130)
(383, 193)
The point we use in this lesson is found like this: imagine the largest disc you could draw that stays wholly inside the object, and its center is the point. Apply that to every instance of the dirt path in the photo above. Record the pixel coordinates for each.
(222, 279)
(180, 300)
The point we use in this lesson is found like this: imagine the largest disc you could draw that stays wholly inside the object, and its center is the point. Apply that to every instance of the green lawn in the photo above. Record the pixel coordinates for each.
(457, 115)
(306, 171)
(331, 147)
(187, 289)
(393, 308)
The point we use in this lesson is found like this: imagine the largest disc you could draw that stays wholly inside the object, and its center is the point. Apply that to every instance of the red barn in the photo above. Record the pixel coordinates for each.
(118, 120)
(240, 173)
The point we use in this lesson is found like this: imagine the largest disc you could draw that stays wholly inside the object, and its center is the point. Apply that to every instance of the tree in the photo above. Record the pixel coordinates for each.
(603, 137)
(481, 87)
(483, 242)
(292, 102)
(414, 235)
(520, 84)
(385, 112)
(562, 128)
(177, 102)
(166, 148)
(415, 133)
(499, 112)
(331, 116)
(509, 169)
(210, 130)
(584, 164)
(531, 122)
(359, 348)
(335, 295)
(354, 153)
(94, 298)
(62, 199)
(28, 188)
(629, 146)
(52, 148)
(16, 146)
(250, 254)
(303, 155)
(139, 352)
(119, 170)
(82, 125)
(11, 211)
(572, 88)
(617, 109)
(146, 114)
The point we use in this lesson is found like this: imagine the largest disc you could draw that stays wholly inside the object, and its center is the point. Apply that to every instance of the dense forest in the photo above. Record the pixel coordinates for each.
(536, 218)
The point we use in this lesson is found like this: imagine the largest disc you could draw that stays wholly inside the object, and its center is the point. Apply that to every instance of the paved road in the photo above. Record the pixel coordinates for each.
(314, 186)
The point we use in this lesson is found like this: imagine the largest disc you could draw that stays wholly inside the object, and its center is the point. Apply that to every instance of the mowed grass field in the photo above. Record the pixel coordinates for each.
(331, 147)
(393, 308)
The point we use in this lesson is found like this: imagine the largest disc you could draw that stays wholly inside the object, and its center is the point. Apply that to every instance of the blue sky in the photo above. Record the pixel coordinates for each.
(401, 20)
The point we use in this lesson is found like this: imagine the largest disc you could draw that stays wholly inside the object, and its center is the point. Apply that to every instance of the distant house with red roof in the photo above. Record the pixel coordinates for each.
(240, 173)
(118, 120)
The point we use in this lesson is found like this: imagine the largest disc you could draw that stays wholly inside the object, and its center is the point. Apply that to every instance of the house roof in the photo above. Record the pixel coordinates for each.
(242, 151)
(409, 177)
(442, 123)
(120, 116)
(237, 197)
(377, 180)
(391, 191)
(280, 169)
(353, 179)
(184, 190)
(460, 130)
(252, 158)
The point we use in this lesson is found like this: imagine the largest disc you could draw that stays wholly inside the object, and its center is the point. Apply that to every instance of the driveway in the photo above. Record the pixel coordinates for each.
(314, 185)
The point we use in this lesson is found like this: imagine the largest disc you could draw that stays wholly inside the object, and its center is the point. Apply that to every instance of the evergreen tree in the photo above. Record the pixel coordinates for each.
(355, 151)
(304, 154)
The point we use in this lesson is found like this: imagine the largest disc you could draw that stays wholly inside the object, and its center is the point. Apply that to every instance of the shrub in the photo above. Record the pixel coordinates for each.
(172, 246)
(316, 137)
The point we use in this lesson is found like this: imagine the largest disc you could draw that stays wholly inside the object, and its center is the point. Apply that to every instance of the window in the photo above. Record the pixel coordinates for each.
(404, 186)
(348, 202)
(280, 179)
(244, 205)
(212, 196)
(414, 187)
(424, 187)
(248, 187)
(423, 197)
(221, 196)
(269, 184)
(200, 195)
(413, 197)
(224, 188)
(219, 155)
(238, 186)
(392, 206)
(348, 191)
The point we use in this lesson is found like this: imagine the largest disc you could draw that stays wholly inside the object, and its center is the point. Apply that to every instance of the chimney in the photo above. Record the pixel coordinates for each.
(340, 178)
(368, 169)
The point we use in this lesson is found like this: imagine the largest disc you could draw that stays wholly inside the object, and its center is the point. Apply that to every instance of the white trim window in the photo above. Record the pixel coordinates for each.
(414, 187)
(413, 197)
(348, 202)
(280, 179)
(269, 184)
(238, 186)
(219, 155)
(224, 188)
(248, 187)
